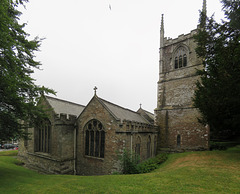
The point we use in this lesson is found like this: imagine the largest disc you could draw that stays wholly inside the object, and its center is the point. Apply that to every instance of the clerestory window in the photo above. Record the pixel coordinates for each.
(180, 59)
(94, 139)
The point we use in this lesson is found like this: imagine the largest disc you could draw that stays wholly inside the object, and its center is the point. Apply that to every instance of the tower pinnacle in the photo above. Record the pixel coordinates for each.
(162, 32)
(204, 8)
(162, 24)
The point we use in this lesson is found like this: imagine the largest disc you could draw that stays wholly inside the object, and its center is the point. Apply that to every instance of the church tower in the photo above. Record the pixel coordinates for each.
(175, 114)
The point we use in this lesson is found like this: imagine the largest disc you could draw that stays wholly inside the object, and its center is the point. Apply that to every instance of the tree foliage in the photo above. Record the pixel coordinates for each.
(18, 92)
(218, 92)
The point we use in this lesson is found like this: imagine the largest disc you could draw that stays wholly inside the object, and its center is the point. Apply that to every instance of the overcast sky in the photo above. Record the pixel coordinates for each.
(111, 44)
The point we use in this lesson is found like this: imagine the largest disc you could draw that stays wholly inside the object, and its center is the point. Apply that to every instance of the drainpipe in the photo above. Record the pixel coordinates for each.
(74, 149)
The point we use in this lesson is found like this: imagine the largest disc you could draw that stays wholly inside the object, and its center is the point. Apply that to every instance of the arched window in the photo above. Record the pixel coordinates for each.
(138, 147)
(180, 59)
(149, 147)
(94, 139)
(179, 141)
(43, 137)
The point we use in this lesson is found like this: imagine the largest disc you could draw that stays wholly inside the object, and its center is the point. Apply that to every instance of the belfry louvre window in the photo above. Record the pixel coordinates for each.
(43, 140)
(180, 59)
(94, 139)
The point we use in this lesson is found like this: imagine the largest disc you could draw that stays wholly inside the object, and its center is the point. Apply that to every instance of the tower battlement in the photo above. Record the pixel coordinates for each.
(170, 41)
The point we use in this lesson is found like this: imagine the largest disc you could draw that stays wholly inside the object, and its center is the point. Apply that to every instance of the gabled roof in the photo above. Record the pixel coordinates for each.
(151, 115)
(122, 113)
(147, 115)
(65, 107)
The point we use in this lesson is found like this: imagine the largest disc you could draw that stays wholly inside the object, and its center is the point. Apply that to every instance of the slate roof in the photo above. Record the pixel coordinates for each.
(61, 106)
(123, 113)
(151, 115)
(65, 107)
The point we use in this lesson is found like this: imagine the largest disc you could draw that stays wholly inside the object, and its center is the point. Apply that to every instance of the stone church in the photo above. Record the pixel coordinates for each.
(87, 140)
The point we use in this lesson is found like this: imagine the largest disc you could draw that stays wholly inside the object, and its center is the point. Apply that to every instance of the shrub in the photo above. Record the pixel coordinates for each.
(152, 163)
(129, 163)
(217, 146)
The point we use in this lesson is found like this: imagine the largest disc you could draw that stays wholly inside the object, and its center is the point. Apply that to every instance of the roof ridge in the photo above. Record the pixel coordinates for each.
(119, 106)
(147, 111)
(65, 101)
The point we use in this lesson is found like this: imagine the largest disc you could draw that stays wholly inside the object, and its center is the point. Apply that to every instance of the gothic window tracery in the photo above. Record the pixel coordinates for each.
(94, 139)
(180, 59)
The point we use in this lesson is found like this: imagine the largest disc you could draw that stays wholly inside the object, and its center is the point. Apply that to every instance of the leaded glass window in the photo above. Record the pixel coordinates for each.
(43, 137)
(94, 139)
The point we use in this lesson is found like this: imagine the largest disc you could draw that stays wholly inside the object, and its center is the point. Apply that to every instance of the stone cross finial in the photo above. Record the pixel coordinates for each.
(95, 90)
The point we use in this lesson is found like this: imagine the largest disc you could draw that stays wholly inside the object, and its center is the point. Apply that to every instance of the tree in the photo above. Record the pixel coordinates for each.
(18, 92)
(217, 95)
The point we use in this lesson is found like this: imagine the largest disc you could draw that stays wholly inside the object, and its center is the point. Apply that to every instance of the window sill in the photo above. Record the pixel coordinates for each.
(42, 154)
(95, 158)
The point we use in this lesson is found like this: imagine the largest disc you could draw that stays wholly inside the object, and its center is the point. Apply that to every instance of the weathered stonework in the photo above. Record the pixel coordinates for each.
(67, 144)
(175, 114)
(60, 159)
(123, 129)
(120, 135)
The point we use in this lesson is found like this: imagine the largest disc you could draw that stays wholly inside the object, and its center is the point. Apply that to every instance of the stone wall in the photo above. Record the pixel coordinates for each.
(60, 160)
(175, 114)
(87, 165)
(183, 122)
(119, 135)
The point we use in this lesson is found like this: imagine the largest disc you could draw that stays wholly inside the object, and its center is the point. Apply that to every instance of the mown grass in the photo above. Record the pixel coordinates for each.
(192, 172)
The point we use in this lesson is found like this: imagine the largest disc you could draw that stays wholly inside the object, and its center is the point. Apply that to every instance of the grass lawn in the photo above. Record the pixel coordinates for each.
(190, 172)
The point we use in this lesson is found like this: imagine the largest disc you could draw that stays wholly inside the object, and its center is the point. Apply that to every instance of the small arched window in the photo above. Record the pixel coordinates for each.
(94, 139)
(149, 147)
(179, 141)
(180, 59)
(138, 147)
